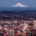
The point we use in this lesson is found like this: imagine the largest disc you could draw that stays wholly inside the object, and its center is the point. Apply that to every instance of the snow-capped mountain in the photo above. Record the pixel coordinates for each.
(19, 5)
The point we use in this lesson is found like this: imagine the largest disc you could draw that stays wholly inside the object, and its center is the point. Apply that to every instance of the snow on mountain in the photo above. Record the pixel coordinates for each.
(19, 5)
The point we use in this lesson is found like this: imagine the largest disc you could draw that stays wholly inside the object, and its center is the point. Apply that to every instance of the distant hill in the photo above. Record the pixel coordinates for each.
(24, 15)
(16, 8)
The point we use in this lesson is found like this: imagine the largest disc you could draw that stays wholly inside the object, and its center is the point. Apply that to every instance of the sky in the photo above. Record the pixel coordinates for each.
(9, 3)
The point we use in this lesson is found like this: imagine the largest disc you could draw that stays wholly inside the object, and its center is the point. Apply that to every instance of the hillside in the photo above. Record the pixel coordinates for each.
(10, 15)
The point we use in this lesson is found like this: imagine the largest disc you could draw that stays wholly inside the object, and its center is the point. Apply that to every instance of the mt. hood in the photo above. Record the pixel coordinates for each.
(19, 5)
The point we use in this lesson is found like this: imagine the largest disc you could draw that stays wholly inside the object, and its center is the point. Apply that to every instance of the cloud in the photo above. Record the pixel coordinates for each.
(19, 5)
